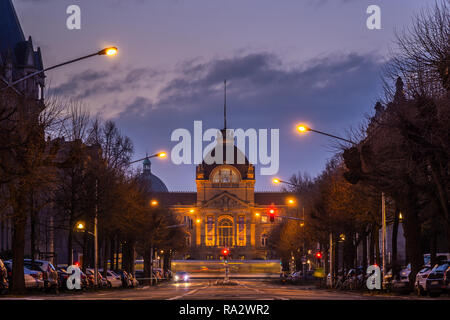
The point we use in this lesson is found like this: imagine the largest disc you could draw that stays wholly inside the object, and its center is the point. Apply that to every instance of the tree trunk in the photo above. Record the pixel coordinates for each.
(412, 235)
(18, 245)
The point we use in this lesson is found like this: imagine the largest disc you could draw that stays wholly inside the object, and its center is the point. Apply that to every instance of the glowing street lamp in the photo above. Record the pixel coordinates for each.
(278, 181)
(198, 220)
(302, 128)
(161, 155)
(154, 203)
(80, 226)
(110, 51)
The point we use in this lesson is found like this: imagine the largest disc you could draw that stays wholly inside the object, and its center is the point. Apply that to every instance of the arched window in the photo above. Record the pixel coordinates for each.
(264, 240)
(225, 233)
(226, 175)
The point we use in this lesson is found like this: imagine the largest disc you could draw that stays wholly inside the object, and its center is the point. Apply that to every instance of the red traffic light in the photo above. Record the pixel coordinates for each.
(225, 252)
(318, 255)
(272, 213)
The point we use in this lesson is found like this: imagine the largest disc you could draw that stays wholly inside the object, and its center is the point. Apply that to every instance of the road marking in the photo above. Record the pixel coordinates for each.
(188, 293)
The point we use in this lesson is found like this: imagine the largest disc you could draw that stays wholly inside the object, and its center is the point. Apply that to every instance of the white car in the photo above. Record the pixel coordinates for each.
(421, 279)
(113, 279)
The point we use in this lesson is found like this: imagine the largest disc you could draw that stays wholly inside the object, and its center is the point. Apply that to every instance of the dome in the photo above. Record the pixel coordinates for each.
(152, 182)
(240, 161)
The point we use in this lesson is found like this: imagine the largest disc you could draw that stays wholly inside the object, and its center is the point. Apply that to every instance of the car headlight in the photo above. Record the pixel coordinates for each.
(186, 278)
(177, 278)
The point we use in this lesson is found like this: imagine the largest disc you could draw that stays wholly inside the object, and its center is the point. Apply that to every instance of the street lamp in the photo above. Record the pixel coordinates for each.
(302, 128)
(278, 181)
(80, 226)
(154, 203)
(110, 51)
(161, 155)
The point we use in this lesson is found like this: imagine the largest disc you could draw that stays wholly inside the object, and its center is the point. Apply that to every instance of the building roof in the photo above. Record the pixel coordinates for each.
(11, 32)
(177, 198)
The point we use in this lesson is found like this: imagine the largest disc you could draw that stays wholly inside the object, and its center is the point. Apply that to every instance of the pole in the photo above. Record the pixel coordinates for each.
(383, 218)
(331, 260)
(151, 265)
(48, 69)
(96, 235)
(332, 136)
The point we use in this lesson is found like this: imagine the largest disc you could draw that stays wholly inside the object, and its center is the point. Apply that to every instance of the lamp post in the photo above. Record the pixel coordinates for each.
(111, 51)
(304, 128)
(161, 155)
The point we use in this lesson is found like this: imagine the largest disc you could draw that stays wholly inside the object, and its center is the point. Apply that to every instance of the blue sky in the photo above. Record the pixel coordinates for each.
(286, 62)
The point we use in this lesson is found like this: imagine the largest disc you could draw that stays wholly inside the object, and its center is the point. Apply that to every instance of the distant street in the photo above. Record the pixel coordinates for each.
(203, 289)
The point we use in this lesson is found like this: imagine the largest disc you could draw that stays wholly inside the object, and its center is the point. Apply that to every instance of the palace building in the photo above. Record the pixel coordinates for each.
(226, 212)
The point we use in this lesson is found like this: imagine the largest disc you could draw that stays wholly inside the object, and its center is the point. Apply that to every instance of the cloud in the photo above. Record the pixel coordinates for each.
(260, 80)
(115, 80)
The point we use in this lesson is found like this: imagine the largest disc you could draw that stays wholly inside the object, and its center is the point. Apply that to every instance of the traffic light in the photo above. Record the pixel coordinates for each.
(272, 213)
(225, 252)
(319, 255)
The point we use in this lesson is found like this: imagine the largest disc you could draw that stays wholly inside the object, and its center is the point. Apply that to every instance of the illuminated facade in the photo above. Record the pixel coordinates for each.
(226, 211)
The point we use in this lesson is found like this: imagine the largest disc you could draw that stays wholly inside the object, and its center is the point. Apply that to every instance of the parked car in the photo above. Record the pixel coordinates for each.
(124, 276)
(420, 285)
(33, 278)
(102, 282)
(4, 283)
(181, 276)
(50, 275)
(437, 281)
(113, 279)
(401, 283)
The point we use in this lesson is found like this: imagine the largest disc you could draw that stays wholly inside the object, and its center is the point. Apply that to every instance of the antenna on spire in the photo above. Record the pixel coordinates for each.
(225, 106)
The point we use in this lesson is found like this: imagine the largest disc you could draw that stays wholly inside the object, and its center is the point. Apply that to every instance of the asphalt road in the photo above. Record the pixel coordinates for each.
(204, 289)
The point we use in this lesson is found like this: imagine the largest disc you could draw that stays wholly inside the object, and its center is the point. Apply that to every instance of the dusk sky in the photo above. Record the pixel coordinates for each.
(286, 62)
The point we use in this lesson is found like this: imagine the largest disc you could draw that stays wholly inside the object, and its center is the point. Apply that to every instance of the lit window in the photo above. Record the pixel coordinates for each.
(225, 233)
(226, 175)
(264, 219)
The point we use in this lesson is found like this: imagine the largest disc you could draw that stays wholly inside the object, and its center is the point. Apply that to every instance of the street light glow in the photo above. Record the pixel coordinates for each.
(111, 51)
(291, 201)
(257, 214)
(154, 203)
(162, 154)
(276, 180)
(80, 226)
(302, 128)
(192, 211)
(198, 220)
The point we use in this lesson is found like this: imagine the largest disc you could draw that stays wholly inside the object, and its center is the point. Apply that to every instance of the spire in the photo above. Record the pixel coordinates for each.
(225, 106)
(147, 165)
